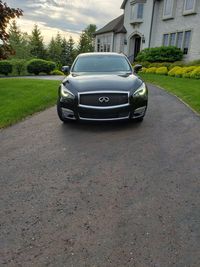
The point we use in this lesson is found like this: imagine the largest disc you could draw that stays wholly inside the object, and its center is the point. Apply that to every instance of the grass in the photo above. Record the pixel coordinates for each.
(186, 89)
(20, 98)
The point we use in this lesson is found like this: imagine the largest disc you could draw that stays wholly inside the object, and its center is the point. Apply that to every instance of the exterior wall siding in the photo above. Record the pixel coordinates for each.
(178, 24)
(142, 29)
(125, 43)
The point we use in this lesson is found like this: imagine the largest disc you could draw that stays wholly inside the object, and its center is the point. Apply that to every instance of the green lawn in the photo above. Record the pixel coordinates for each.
(22, 97)
(186, 89)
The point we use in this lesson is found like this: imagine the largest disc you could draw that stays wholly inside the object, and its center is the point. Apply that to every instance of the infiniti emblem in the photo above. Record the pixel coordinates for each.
(104, 99)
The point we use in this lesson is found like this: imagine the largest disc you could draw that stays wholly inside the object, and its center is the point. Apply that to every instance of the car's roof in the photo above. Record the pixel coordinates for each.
(100, 54)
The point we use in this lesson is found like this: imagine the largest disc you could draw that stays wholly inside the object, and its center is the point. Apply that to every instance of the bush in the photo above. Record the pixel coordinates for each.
(173, 71)
(37, 66)
(195, 73)
(5, 67)
(57, 72)
(187, 71)
(160, 54)
(162, 71)
(19, 66)
(144, 70)
(193, 63)
(151, 70)
(160, 64)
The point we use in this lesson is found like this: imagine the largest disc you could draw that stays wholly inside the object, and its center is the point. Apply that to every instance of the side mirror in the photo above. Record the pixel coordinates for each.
(137, 68)
(65, 69)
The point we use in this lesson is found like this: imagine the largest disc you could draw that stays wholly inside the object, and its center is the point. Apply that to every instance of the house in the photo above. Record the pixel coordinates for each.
(153, 23)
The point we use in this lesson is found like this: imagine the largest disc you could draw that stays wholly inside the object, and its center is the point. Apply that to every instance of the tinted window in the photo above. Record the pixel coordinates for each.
(101, 63)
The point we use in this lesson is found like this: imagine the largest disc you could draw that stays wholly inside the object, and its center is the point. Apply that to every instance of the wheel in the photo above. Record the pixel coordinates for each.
(60, 115)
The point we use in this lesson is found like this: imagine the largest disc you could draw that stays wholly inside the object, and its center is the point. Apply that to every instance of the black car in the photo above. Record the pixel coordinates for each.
(102, 87)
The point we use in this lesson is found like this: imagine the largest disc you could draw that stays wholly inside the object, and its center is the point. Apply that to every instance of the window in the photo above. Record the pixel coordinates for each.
(98, 45)
(168, 9)
(186, 42)
(179, 40)
(189, 7)
(172, 39)
(132, 11)
(166, 39)
(140, 10)
(137, 11)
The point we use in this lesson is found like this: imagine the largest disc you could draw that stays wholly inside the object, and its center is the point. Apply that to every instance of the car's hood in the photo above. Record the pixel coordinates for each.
(97, 82)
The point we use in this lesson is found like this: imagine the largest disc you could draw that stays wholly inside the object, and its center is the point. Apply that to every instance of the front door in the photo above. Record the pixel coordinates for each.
(137, 46)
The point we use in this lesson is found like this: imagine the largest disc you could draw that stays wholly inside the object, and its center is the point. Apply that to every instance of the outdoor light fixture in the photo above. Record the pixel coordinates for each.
(125, 42)
(143, 39)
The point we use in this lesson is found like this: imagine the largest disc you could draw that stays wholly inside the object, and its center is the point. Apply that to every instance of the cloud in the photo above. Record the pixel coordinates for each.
(66, 16)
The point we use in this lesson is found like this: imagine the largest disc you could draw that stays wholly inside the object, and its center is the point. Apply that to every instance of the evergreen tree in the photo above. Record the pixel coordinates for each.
(86, 41)
(71, 51)
(36, 43)
(55, 49)
(18, 42)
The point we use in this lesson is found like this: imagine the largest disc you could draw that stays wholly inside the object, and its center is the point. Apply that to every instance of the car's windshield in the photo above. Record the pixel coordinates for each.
(101, 63)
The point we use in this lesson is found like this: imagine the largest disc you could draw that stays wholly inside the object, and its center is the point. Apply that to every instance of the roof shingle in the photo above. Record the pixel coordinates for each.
(116, 26)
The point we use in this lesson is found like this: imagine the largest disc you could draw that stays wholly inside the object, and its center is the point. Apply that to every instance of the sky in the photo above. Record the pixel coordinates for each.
(68, 17)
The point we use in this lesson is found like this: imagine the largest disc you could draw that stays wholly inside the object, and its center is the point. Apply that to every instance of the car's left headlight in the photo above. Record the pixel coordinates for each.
(65, 93)
(141, 91)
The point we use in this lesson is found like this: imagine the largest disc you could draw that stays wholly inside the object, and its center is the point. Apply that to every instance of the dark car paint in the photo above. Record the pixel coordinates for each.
(82, 82)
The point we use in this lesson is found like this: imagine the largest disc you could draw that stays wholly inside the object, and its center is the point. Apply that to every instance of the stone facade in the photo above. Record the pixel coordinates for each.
(153, 23)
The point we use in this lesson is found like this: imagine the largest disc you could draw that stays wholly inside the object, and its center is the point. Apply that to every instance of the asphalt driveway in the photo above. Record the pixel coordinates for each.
(95, 195)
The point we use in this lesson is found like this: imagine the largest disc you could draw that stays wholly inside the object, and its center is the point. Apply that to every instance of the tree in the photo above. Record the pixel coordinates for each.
(6, 14)
(70, 51)
(19, 42)
(86, 41)
(36, 43)
(55, 49)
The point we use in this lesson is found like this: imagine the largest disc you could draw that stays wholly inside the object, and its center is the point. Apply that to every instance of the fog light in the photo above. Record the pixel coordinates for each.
(139, 112)
(68, 113)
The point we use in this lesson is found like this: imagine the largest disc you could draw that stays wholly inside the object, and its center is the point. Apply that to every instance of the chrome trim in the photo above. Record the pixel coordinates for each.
(111, 119)
(102, 92)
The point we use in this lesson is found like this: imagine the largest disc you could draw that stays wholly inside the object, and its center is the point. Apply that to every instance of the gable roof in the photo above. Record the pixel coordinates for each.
(116, 26)
(123, 4)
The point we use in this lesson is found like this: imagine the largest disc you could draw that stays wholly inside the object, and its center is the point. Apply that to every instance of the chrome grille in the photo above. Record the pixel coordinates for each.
(109, 99)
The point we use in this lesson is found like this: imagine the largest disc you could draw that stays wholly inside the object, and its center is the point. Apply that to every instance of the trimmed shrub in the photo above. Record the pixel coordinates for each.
(173, 71)
(195, 73)
(144, 70)
(57, 72)
(187, 71)
(193, 63)
(179, 72)
(151, 70)
(160, 64)
(162, 71)
(36, 66)
(160, 54)
(19, 66)
(5, 67)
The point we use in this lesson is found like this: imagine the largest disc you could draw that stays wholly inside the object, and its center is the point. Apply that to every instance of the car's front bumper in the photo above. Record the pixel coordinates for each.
(135, 109)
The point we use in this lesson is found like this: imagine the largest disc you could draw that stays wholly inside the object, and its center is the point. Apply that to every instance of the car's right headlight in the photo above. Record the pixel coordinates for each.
(65, 93)
(141, 91)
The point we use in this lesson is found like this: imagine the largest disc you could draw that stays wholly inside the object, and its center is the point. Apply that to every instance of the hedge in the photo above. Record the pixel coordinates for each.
(160, 54)
(177, 71)
(5, 67)
(36, 66)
